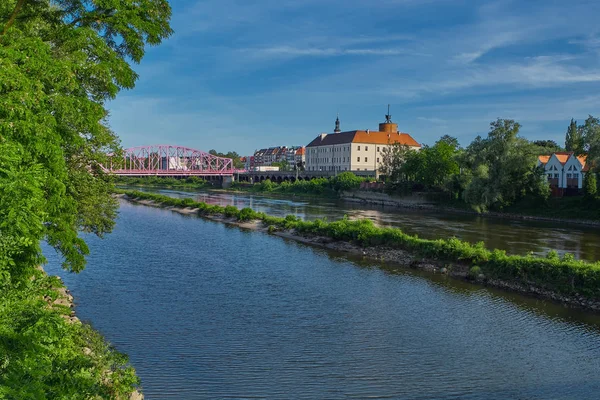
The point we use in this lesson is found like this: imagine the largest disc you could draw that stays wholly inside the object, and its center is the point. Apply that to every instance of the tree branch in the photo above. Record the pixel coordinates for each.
(13, 16)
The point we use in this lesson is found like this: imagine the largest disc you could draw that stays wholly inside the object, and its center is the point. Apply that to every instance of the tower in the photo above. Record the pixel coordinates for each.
(388, 126)
(337, 124)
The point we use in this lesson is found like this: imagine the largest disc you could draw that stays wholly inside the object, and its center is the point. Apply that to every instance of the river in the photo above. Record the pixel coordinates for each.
(207, 311)
(514, 236)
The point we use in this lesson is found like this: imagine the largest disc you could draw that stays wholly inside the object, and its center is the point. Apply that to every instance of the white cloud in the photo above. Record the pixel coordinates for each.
(331, 52)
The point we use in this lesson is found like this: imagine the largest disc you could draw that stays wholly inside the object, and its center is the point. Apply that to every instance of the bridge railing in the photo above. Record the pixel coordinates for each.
(168, 160)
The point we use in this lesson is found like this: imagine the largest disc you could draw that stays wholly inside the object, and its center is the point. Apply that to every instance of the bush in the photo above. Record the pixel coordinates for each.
(346, 181)
(590, 185)
(474, 272)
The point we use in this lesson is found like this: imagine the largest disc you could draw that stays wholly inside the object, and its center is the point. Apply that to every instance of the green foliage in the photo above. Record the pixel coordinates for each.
(318, 186)
(474, 272)
(235, 157)
(574, 138)
(563, 275)
(345, 181)
(503, 169)
(42, 354)
(283, 165)
(60, 61)
(590, 185)
(192, 182)
(547, 147)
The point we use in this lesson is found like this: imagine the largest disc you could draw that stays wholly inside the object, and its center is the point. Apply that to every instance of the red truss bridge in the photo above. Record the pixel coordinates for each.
(169, 160)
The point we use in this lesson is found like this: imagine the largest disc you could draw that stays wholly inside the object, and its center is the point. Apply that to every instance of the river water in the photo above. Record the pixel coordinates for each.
(207, 311)
(514, 236)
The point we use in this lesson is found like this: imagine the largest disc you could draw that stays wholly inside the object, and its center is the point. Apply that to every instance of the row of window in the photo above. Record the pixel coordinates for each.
(337, 150)
(367, 148)
(337, 159)
(569, 176)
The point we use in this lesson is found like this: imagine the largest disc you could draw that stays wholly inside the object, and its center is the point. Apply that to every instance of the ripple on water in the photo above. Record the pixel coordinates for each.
(206, 311)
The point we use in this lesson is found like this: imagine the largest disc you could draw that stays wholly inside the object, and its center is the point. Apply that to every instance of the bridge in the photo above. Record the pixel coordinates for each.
(169, 161)
(179, 161)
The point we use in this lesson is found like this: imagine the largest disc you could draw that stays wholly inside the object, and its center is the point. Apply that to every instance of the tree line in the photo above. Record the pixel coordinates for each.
(492, 172)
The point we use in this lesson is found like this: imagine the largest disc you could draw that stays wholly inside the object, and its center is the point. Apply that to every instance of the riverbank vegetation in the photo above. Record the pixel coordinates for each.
(191, 182)
(332, 186)
(495, 173)
(47, 354)
(60, 62)
(563, 275)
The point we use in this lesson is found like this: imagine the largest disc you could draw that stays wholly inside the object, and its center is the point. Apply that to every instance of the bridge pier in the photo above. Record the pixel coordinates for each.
(226, 181)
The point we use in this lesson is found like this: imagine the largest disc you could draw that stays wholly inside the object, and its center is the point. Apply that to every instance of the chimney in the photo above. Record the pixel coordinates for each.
(368, 131)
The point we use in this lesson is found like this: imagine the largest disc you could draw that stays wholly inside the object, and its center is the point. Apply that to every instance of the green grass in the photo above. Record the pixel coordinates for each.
(42, 355)
(562, 275)
(165, 182)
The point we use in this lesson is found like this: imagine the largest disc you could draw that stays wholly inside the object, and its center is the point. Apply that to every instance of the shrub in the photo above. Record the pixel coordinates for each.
(474, 272)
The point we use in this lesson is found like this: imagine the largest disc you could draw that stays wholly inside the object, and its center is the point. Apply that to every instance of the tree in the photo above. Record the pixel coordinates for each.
(591, 138)
(393, 157)
(60, 61)
(547, 147)
(346, 181)
(235, 157)
(590, 185)
(283, 165)
(503, 168)
(574, 139)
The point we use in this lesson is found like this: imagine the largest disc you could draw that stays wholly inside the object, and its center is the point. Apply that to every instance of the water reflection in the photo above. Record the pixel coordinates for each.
(208, 311)
(514, 236)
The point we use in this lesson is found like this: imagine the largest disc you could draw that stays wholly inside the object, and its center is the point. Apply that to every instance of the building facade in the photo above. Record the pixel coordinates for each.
(564, 170)
(293, 155)
(355, 150)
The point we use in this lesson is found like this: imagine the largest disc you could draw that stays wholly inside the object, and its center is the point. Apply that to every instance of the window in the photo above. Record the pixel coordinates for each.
(576, 176)
(358, 169)
(377, 159)
(556, 176)
(358, 148)
(378, 149)
(365, 159)
(366, 148)
(569, 176)
(358, 159)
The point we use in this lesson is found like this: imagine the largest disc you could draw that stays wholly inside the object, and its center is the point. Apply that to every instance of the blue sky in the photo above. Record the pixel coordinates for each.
(241, 75)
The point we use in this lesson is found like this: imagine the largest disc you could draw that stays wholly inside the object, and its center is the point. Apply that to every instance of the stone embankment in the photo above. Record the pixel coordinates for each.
(420, 202)
(65, 299)
(392, 257)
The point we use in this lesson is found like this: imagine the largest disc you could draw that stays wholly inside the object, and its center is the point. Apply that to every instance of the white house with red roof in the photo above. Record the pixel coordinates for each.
(564, 170)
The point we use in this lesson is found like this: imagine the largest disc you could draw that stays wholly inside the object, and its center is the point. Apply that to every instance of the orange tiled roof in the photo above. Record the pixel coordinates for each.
(372, 137)
(384, 138)
(563, 156)
(300, 151)
(544, 159)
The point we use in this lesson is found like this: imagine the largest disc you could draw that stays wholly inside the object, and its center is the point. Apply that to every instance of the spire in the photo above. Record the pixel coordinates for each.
(388, 117)
(337, 124)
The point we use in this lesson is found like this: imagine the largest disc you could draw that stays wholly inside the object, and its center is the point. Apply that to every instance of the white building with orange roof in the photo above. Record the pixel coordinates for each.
(564, 170)
(359, 150)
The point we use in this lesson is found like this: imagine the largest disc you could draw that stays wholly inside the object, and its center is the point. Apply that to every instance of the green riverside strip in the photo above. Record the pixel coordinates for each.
(563, 275)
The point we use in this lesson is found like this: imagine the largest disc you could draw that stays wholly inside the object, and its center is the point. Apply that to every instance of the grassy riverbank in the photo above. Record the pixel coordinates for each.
(191, 182)
(46, 353)
(561, 275)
